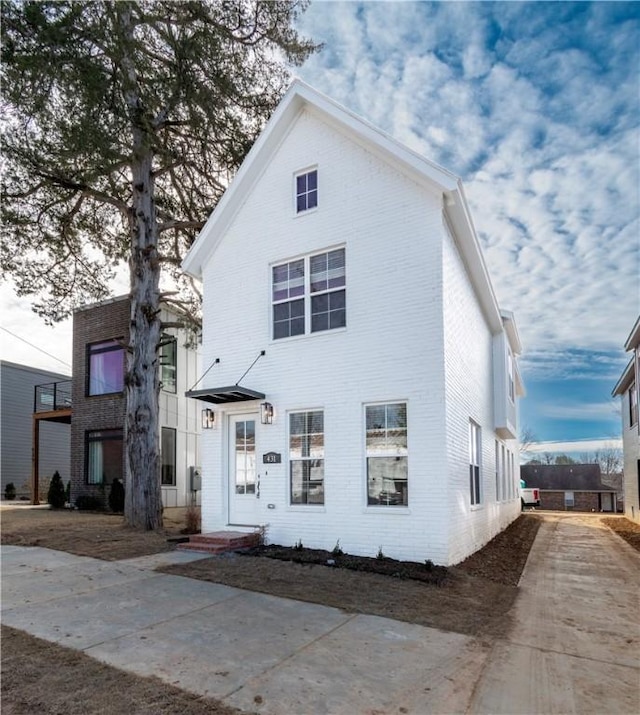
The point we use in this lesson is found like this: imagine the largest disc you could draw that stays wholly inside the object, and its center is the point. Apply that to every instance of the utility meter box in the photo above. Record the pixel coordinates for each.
(195, 478)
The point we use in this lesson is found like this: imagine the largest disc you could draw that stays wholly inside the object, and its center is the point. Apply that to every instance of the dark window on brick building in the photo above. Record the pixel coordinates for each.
(104, 456)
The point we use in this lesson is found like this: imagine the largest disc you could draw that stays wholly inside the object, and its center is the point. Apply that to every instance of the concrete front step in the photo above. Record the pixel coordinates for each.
(218, 542)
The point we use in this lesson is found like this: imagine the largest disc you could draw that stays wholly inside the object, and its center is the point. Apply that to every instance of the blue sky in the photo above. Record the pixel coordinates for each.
(536, 107)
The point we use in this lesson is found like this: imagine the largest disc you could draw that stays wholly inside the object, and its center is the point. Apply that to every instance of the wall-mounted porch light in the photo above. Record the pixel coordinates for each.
(266, 413)
(208, 418)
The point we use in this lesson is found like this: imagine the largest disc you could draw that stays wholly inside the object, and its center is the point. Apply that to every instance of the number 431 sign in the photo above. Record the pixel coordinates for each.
(271, 458)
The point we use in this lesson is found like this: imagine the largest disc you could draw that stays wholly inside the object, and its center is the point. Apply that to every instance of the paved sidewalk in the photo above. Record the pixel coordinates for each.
(574, 647)
(236, 645)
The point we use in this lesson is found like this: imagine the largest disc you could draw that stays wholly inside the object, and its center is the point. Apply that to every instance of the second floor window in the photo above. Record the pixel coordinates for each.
(106, 367)
(309, 294)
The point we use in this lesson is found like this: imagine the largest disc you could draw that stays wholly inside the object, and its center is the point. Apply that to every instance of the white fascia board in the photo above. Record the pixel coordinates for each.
(625, 380)
(301, 96)
(512, 331)
(634, 337)
(457, 212)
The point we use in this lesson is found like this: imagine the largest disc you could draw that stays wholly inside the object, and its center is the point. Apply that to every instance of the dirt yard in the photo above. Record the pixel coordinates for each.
(628, 530)
(48, 679)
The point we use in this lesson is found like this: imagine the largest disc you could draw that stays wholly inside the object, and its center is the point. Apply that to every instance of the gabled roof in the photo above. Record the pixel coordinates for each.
(564, 477)
(301, 97)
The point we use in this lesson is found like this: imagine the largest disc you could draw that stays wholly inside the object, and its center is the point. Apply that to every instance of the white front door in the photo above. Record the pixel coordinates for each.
(243, 474)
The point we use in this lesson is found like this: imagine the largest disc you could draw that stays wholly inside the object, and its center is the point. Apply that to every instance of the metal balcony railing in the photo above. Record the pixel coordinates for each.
(52, 396)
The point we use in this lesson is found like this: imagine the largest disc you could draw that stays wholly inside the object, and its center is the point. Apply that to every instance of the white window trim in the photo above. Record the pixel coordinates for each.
(294, 198)
(382, 508)
(306, 508)
(475, 432)
(307, 295)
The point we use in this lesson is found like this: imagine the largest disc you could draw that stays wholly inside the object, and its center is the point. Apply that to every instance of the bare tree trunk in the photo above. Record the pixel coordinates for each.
(143, 497)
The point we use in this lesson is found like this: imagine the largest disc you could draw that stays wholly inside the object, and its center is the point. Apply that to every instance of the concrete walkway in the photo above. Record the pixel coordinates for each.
(574, 648)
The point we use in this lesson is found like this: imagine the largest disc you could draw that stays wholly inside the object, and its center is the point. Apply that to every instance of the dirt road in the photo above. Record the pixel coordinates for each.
(575, 645)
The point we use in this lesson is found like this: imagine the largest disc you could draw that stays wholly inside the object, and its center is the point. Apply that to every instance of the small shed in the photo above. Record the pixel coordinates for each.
(570, 487)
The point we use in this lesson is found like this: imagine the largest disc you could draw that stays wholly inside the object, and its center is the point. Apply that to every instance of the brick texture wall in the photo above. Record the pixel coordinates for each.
(583, 501)
(99, 412)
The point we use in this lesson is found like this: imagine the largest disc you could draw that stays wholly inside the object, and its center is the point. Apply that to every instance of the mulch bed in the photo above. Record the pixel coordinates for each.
(426, 572)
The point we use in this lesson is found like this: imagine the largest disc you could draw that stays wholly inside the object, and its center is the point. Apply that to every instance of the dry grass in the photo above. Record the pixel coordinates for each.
(628, 530)
(48, 679)
(103, 536)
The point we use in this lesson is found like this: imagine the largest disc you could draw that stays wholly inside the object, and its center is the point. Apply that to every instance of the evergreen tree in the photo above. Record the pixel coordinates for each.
(123, 123)
(56, 496)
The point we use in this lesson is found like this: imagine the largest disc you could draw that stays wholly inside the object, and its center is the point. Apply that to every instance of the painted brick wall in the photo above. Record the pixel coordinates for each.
(469, 393)
(391, 349)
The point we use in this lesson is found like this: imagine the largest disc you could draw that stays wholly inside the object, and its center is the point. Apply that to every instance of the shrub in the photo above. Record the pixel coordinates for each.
(380, 555)
(56, 496)
(192, 520)
(337, 550)
(116, 496)
(89, 503)
(298, 545)
(10, 491)
(67, 493)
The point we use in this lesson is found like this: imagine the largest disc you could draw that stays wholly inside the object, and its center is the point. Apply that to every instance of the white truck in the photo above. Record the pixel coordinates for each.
(529, 497)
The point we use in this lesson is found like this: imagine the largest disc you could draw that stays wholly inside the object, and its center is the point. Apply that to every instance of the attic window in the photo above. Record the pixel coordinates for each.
(306, 191)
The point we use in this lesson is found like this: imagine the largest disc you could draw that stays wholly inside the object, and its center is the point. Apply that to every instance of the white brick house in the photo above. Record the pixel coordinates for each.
(352, 262)
(628, 387)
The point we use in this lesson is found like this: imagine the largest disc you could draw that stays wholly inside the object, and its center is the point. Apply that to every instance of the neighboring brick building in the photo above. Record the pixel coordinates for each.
(100, 332)
(349, 265)
(570, 487)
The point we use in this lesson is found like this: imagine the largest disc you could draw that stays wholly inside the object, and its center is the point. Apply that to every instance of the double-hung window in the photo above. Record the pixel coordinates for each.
(309, 294)
(387, 455)
(474, 462)
(106, 367)
(306, 457)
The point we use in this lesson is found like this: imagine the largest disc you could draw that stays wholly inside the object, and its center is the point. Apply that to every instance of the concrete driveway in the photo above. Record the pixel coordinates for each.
(574, 647)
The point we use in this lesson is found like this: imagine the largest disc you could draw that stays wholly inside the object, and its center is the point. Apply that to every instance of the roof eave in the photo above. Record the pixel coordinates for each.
(625, 380)
(298, 97)
(634, 336)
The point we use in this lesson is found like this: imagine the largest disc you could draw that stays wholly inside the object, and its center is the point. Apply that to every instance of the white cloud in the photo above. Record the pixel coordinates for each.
(581, 446)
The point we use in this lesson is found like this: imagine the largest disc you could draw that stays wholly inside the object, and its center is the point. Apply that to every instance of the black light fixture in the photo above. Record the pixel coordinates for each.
(208, 418)
(266, 413)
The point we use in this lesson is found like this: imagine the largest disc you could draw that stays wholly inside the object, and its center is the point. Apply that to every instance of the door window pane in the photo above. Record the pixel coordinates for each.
(168, 451)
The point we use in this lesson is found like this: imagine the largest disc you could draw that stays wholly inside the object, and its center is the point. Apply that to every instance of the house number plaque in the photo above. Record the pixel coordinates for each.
(271, 458)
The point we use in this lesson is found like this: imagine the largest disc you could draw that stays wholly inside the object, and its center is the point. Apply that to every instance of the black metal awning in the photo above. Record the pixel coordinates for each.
(222, 395)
